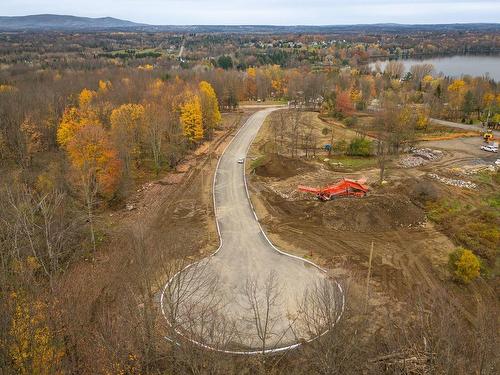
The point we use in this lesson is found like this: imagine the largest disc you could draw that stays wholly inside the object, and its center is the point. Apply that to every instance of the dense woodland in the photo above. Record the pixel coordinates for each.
(86, 118)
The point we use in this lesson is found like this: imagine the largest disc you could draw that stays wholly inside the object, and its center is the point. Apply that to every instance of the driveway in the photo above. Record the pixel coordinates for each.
(248, 294)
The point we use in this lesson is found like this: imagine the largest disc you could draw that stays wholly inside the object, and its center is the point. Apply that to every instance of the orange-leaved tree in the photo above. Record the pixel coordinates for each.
(211, 116)
(344, 103)
(192, 118)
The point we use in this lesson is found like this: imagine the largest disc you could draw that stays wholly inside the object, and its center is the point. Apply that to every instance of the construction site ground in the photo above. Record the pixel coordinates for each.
(175, 212)
(410, 253)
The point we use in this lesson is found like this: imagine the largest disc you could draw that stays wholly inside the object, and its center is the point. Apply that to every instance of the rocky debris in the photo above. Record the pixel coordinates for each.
(145, 187)
(453, 182)
(420, 156)
(292, 194)
(427, 153)
(471, 170)
(129, 207)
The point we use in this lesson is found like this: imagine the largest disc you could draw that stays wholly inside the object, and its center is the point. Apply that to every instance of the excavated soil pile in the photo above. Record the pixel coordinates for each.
(281, 167)
(370, 214)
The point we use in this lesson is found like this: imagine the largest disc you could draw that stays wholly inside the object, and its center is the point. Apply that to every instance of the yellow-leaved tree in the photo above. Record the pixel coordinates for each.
(192, 118)
(127, 122)
(74, 118)
(96, 166)
(104, 85)
(85, 98)
(457, 91)
(33, 348)
(211, 116)
(251, 84)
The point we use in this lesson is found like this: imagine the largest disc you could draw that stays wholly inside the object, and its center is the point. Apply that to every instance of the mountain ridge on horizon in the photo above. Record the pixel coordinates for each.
(71, 22)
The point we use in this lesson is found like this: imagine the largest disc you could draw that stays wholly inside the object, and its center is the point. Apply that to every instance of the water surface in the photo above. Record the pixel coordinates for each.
(456, 66)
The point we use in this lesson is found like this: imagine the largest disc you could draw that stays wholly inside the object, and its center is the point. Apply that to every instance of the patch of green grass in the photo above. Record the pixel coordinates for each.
(484, 178)
(494, 202)
(257, 163)
(443, 210)
(352, 162)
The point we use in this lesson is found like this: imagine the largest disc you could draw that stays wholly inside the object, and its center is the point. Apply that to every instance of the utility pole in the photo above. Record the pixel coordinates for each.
(368, 277)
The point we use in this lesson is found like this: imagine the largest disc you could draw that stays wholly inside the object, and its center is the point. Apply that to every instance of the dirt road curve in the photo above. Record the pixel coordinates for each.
(230, 286)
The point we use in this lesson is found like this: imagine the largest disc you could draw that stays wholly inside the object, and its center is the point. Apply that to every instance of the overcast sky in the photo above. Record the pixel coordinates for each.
(275, 12)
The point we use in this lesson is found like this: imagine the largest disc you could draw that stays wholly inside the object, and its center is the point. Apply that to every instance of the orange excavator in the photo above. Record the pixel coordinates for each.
(343, 188)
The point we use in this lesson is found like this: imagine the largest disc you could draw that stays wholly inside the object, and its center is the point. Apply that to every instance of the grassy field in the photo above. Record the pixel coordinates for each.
(350, 163)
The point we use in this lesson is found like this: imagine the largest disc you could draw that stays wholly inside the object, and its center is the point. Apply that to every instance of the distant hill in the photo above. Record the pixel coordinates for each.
(60, 22)
(326, 29)
(73, 23)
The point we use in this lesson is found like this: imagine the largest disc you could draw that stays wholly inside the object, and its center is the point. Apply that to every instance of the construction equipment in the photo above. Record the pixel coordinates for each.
(343, 188)
(488, 136)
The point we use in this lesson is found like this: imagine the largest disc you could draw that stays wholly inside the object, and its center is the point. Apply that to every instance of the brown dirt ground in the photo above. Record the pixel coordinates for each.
(408, 250)
(176, 213)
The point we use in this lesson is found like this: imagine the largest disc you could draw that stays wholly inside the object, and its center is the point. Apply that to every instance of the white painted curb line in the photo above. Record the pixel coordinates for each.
(254, 352)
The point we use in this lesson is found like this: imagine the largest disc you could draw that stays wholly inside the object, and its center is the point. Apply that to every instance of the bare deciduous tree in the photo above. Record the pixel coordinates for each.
(262, 302)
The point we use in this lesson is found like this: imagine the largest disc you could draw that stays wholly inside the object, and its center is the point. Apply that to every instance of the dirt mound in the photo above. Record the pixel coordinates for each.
(281, 167)
(372, 213)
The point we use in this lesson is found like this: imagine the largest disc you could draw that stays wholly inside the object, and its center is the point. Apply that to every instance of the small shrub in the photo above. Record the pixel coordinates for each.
(464, 265)
(351, 121)
(258, 162)
(340, 146)
(325, 131)
(360, 106)
(360, 147)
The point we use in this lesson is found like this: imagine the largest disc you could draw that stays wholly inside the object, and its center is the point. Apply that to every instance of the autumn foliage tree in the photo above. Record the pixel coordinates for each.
(74, 118)
(33, 349)
(94, 161)
(250, 83)
(95, 165)
(457, 91)
(210, 108)
(33, 142)
(344, 103)
(127, 122)
(192, 118)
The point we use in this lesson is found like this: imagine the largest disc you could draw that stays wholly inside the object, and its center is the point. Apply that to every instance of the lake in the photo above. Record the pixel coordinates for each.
(456, 66)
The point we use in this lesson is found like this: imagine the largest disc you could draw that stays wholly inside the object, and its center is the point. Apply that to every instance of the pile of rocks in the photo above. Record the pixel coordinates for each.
(453, 182)
(420, 156)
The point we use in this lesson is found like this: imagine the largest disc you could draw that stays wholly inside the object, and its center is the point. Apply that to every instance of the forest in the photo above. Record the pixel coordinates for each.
(87, 119)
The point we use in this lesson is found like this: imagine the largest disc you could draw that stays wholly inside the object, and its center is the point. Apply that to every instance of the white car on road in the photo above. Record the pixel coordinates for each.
(489, 148)
(241, 161)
